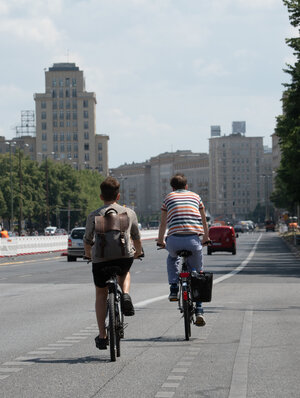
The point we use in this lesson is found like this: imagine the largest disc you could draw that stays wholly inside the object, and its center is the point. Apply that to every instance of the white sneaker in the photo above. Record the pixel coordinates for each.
(200, 321)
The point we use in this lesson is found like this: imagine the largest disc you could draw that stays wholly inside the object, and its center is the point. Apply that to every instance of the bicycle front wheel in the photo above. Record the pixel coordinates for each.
(186, 317)
(112, 326)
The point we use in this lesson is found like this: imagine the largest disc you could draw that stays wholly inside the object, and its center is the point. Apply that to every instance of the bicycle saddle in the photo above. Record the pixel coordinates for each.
(184, 253)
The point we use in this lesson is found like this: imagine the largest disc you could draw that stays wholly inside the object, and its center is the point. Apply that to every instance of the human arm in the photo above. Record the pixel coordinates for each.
(138, 248)
(204, 224)
(88, 238)
(87, 250)
(162, 229)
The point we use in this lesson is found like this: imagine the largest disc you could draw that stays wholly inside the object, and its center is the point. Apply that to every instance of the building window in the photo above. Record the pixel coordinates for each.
(68, 136)
(85, 103)
(85, 114)
(61, 123)
(74, 115)
(67, 82)
(62, 136)
(44, 115)
(86, 135)
(44, 126)
(74, 82)
(100, 156)
(74, 124)
(43, 105)
(61, 115)
(100, 168)
(55, 123)
(74, 104)
(62, 147)
(61, 104)
(69, 148)
(68, 115)
(53, 82)
(100, 146)
(54, 94)
(86, 147)
(86, 125)
(74, 92)
(68, 104)
(54, 105)
(86, 156)
(44, 136)
(61, 93)
(67, 93)
(44, 147)
(75, 147)
(55, 147)
(54, 115)
(55, 136)
(75, 136)
(61, 83)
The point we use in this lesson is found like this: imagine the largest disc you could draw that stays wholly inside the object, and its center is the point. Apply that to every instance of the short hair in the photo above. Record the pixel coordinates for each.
(110, 188)
(178, 181)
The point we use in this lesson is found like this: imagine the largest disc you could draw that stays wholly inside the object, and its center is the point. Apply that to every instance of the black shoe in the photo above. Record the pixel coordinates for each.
(173, 296)
(101, 343)
(127, 306)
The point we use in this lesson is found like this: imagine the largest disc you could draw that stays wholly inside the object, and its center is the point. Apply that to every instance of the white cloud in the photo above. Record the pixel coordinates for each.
(41, 30)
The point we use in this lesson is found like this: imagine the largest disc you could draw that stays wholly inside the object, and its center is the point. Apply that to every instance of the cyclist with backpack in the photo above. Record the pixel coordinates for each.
(184, 214)
(112, 238)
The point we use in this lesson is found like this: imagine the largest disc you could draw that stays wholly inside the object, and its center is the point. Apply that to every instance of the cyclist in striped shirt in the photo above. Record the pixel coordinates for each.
(184, 214)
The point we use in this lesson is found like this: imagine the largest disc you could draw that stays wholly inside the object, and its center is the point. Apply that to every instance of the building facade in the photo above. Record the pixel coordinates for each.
(143, 186)
(66, 121)
(236, 174)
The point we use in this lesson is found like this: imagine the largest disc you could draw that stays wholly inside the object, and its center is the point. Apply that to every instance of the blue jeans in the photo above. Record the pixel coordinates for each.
(183, 242)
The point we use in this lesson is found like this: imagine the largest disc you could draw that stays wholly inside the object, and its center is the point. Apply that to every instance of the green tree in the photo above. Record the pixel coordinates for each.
(287, 188)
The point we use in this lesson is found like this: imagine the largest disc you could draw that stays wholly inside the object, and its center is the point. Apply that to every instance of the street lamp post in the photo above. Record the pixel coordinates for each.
(11, 223)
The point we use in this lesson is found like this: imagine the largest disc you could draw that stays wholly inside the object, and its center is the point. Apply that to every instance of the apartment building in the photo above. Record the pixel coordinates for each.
(66, 121)
(236, 175)
(144, 185)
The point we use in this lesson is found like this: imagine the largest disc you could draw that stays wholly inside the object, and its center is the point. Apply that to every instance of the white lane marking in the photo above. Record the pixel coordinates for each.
(171, 377)
(241, 266)
(2, 377)
(238, 387)
(59, 345)
(170, 385)
(27, 358)
(179, 370)
(10, 370)
(51, 348)
(184, 363)
(72, 338)
(164, 394)
(18, 363)
(150, 301)
(24, 276)
(41, 352)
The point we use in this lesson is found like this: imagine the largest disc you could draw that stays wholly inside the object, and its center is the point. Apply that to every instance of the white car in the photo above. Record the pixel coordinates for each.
(50, 231)
(75, 244)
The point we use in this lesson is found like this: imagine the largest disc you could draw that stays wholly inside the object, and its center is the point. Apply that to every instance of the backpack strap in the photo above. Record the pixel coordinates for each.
(124, 225)
(100, 229)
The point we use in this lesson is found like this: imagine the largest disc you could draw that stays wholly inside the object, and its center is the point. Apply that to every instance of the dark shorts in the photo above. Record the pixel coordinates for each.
(101, 270)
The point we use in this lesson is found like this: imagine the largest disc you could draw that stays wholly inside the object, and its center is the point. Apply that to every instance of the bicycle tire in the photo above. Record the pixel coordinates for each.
(119, 328)
(187, 318)
(112, 326)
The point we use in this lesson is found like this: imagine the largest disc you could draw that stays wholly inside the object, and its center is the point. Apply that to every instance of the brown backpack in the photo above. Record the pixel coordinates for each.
(112, 241)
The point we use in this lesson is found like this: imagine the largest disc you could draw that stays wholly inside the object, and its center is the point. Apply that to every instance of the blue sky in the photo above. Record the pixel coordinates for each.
(163, 71)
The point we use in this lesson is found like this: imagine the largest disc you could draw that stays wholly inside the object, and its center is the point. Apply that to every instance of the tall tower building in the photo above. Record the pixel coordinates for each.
(235, 175)
(66, 121)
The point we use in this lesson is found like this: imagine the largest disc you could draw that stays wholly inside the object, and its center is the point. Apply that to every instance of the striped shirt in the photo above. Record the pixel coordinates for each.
(183, 216)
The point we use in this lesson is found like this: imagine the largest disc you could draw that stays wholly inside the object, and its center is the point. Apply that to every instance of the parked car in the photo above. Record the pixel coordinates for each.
(75, 244)
(238, 228)
(222, 238)
(61, 231)
(50, 231)
(270, 226)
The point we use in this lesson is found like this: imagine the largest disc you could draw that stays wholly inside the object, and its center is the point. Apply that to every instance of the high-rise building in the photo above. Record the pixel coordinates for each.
(236, 170)
(66, 121)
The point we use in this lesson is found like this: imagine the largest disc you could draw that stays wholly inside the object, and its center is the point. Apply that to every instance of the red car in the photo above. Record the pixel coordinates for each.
(222, 238)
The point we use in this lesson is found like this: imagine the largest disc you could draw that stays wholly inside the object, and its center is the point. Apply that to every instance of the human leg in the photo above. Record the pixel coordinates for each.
(124, 282)
(101, 308)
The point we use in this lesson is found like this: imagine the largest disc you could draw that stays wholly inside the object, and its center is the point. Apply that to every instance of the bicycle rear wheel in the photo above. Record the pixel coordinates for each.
(186, 317)
(112, 326)
(119, 328)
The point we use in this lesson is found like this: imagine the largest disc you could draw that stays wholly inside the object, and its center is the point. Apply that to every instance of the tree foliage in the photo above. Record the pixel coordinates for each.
(69, 191)
(288, 124)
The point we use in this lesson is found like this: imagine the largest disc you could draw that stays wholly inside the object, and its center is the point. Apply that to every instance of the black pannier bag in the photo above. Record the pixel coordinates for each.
(201, 284)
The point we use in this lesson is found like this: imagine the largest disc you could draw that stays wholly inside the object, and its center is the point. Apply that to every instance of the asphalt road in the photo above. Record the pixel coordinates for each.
(250, 346)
